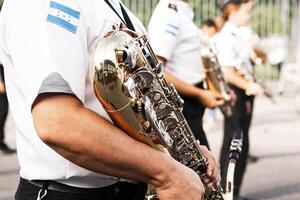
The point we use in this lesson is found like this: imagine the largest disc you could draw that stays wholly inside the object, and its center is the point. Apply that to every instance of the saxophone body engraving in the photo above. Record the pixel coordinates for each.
(129, 82)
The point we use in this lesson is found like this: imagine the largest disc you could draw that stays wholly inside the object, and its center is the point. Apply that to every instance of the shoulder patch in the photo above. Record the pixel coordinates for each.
(172, 6)
(63, 16)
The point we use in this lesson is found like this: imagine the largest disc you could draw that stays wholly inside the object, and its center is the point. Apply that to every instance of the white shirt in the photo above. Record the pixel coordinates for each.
(40, 41)
(246, 33)
(175, 37)
(233, 51)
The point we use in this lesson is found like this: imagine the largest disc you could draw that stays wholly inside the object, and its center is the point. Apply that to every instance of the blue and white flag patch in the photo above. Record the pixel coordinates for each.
(63, 16)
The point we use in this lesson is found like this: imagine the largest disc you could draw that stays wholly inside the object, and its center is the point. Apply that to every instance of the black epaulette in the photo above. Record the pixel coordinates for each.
(173, 6)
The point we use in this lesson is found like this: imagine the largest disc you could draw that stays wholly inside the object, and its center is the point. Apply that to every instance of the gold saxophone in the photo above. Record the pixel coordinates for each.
(215, 78)
(129, 83)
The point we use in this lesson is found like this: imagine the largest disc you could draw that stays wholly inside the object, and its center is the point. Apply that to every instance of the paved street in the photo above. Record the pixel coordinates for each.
(275, 138)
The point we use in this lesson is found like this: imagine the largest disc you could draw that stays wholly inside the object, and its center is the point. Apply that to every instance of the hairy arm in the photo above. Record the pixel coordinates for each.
(90, 141)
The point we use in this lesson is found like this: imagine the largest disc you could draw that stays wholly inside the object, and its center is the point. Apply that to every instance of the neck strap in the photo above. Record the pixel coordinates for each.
(126, 21)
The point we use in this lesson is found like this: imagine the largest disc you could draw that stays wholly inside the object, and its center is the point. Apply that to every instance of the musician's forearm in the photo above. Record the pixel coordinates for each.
(182, 87)
(90, 141)
(234, 79)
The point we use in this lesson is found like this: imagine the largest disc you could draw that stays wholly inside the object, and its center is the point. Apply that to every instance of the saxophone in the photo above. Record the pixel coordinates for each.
(215, 78)
(128, 80)
(247, 71)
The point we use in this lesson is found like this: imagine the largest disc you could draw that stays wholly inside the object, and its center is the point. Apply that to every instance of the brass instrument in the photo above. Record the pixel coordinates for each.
(247, 71)
(215, 78)
(129, 82)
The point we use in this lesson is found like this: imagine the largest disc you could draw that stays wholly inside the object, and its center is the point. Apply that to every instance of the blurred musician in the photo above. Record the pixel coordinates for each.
(176, 40)
(234, 54)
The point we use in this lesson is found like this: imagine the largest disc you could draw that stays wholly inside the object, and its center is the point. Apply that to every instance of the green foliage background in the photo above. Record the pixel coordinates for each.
(270, 16)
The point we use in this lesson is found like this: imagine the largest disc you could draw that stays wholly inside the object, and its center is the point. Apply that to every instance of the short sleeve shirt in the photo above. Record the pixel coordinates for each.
(175, 37)
(247, 34)
(232, 50)
(52, 38)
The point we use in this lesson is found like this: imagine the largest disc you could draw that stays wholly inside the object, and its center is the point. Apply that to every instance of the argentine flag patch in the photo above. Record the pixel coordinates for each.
(63, 16)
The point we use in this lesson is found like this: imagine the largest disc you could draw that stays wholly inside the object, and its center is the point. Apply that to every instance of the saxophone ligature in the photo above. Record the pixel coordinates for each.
(128, 80)
(215, 77)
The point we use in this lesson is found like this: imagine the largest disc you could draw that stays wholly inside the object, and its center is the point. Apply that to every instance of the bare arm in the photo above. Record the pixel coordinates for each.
(234, 79)
(90, 141)
(181, 86)
(208, 98)
(250, 88)
(259, 53)
(87, 139)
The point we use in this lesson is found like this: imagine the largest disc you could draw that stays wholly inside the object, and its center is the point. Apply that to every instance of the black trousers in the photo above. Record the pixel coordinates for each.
(241, 118)
(193, 111)
(3, 114)
(118, 191)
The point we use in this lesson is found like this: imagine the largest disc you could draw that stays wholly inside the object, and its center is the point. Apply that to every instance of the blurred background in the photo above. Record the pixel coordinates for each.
(275, 21)
(275, 134)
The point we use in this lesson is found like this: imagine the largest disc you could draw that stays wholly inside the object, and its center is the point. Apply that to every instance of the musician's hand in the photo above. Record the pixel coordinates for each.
(254, 89)
(210, 99)
(213, 176)
(184, 184)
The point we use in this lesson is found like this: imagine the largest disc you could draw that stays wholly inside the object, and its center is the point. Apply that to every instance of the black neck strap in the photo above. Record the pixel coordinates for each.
(127, 21)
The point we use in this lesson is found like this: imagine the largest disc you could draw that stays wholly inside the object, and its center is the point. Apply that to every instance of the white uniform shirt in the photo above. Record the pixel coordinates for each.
(175, 37)
(233, 51)
(246, 33)
(42, 41)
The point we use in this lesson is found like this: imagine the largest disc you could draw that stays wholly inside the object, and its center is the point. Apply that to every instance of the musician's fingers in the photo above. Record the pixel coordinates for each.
(216, 175)
(206, 180)
(210, 167)
(210, 184)
(220, 102)
(213, 168)
(213, 172)
(208, 158)
(213, 180)
(218, 180)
